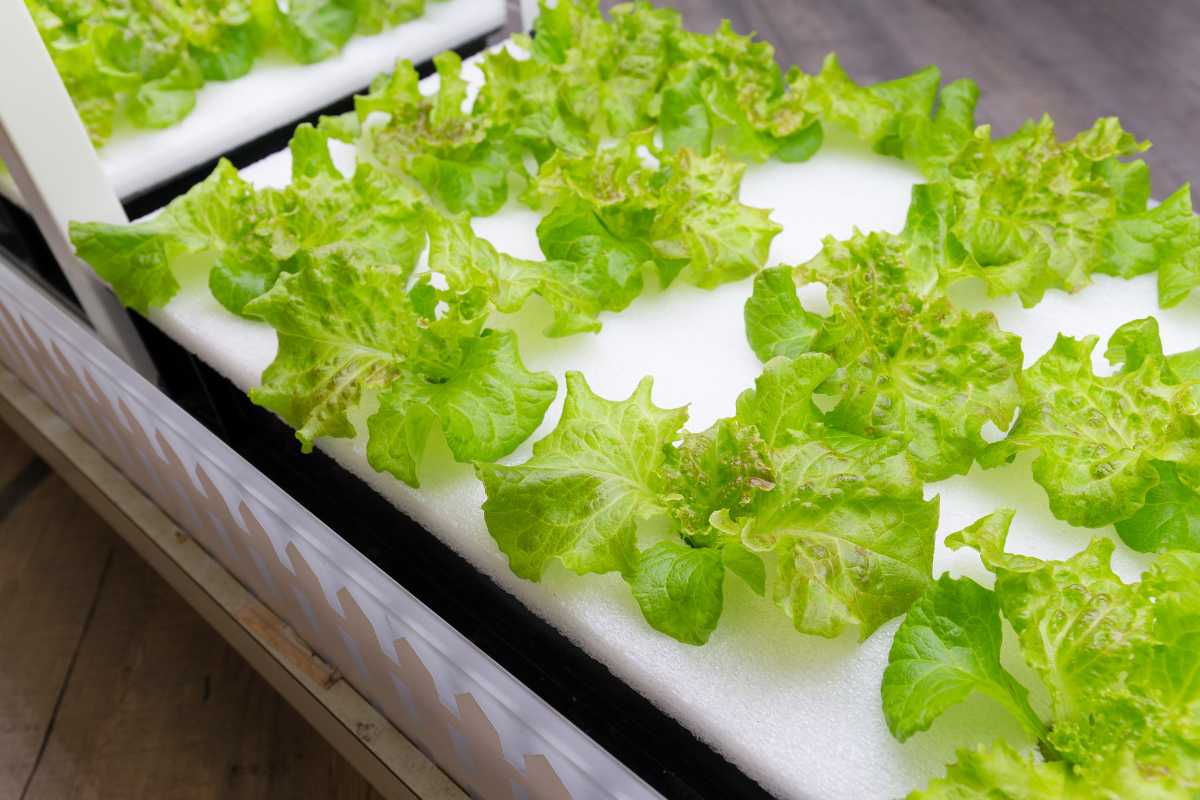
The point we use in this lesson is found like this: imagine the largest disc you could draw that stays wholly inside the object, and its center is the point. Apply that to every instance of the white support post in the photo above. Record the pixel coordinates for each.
(46, 148)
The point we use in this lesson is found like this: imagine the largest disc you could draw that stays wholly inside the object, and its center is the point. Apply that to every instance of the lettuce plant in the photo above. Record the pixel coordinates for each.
(1117, 660)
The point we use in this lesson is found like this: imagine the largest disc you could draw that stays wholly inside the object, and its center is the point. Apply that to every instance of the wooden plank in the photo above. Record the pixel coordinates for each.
(15, 456)
(158, 705)
(45, 603)
(392, 764)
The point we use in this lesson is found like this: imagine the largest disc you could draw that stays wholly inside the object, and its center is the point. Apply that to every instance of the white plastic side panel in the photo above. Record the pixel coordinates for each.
(486, 729)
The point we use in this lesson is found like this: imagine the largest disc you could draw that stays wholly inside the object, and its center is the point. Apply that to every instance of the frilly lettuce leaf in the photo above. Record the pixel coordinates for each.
(334, 343)
(680, 589)
(580, 497)
(846, 517)
(998, 770)
(776, 322)
(377, 15)
(246, 237)
(1098, 438)
(1025, 213)
(719, 470)
(523, 94)
(1170, 518)
(608, 72)
(1164, 238)
(631, 204)
(702, 225)
(910, 363)
(842, 517)
(706, 477)
(163, 101)
(947, 648)
(462, 159)
(370, 212)
(136, 260)
(934, 144)
(348, 327)
(851, 532)
(485, 400)
(314, 30)
(781, 406)
(1119, 660)
(877, 114)
(726, 90)
(577, 290)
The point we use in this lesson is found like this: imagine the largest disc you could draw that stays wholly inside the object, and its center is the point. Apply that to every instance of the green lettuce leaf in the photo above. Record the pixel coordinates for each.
(163, 101)
(486, 401)
(680, 590)
(1027, 213)
(999, 771)
(370, 212)
(700, 108)
(776, 323)
(846, 517)
(911, 364)
(717, 471)
(781, 406)
(577, 291)
(701, 224)
(610, 266)
(1164, 238)
(1170, 518)
(136, 260)
(631, 204)
(842, 517)
(608, 72)
(462, 159)
(876, 114)
(947, 648)
(580, 497)
(348, 327)
(334, 343)
(1098, 437)
(1119, 660)
(145, 61)
(374, 16)
(523, 95)
(707, 478)
(936, 144)
(314, 30)
(246, 238)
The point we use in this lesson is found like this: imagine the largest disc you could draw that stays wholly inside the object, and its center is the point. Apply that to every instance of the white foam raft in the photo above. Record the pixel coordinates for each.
(799, 714)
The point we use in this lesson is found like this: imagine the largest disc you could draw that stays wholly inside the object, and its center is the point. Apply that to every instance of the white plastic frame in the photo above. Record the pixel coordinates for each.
(45, 146)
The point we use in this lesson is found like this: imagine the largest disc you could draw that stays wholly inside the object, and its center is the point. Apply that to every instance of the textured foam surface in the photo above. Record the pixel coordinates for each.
(277, 91)
(799, 714)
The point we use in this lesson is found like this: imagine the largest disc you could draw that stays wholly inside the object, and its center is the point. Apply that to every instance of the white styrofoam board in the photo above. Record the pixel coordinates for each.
(277, 91)
(799, 714)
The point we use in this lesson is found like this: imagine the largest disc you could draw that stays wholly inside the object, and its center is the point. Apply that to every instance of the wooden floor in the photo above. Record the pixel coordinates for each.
(112, 687)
